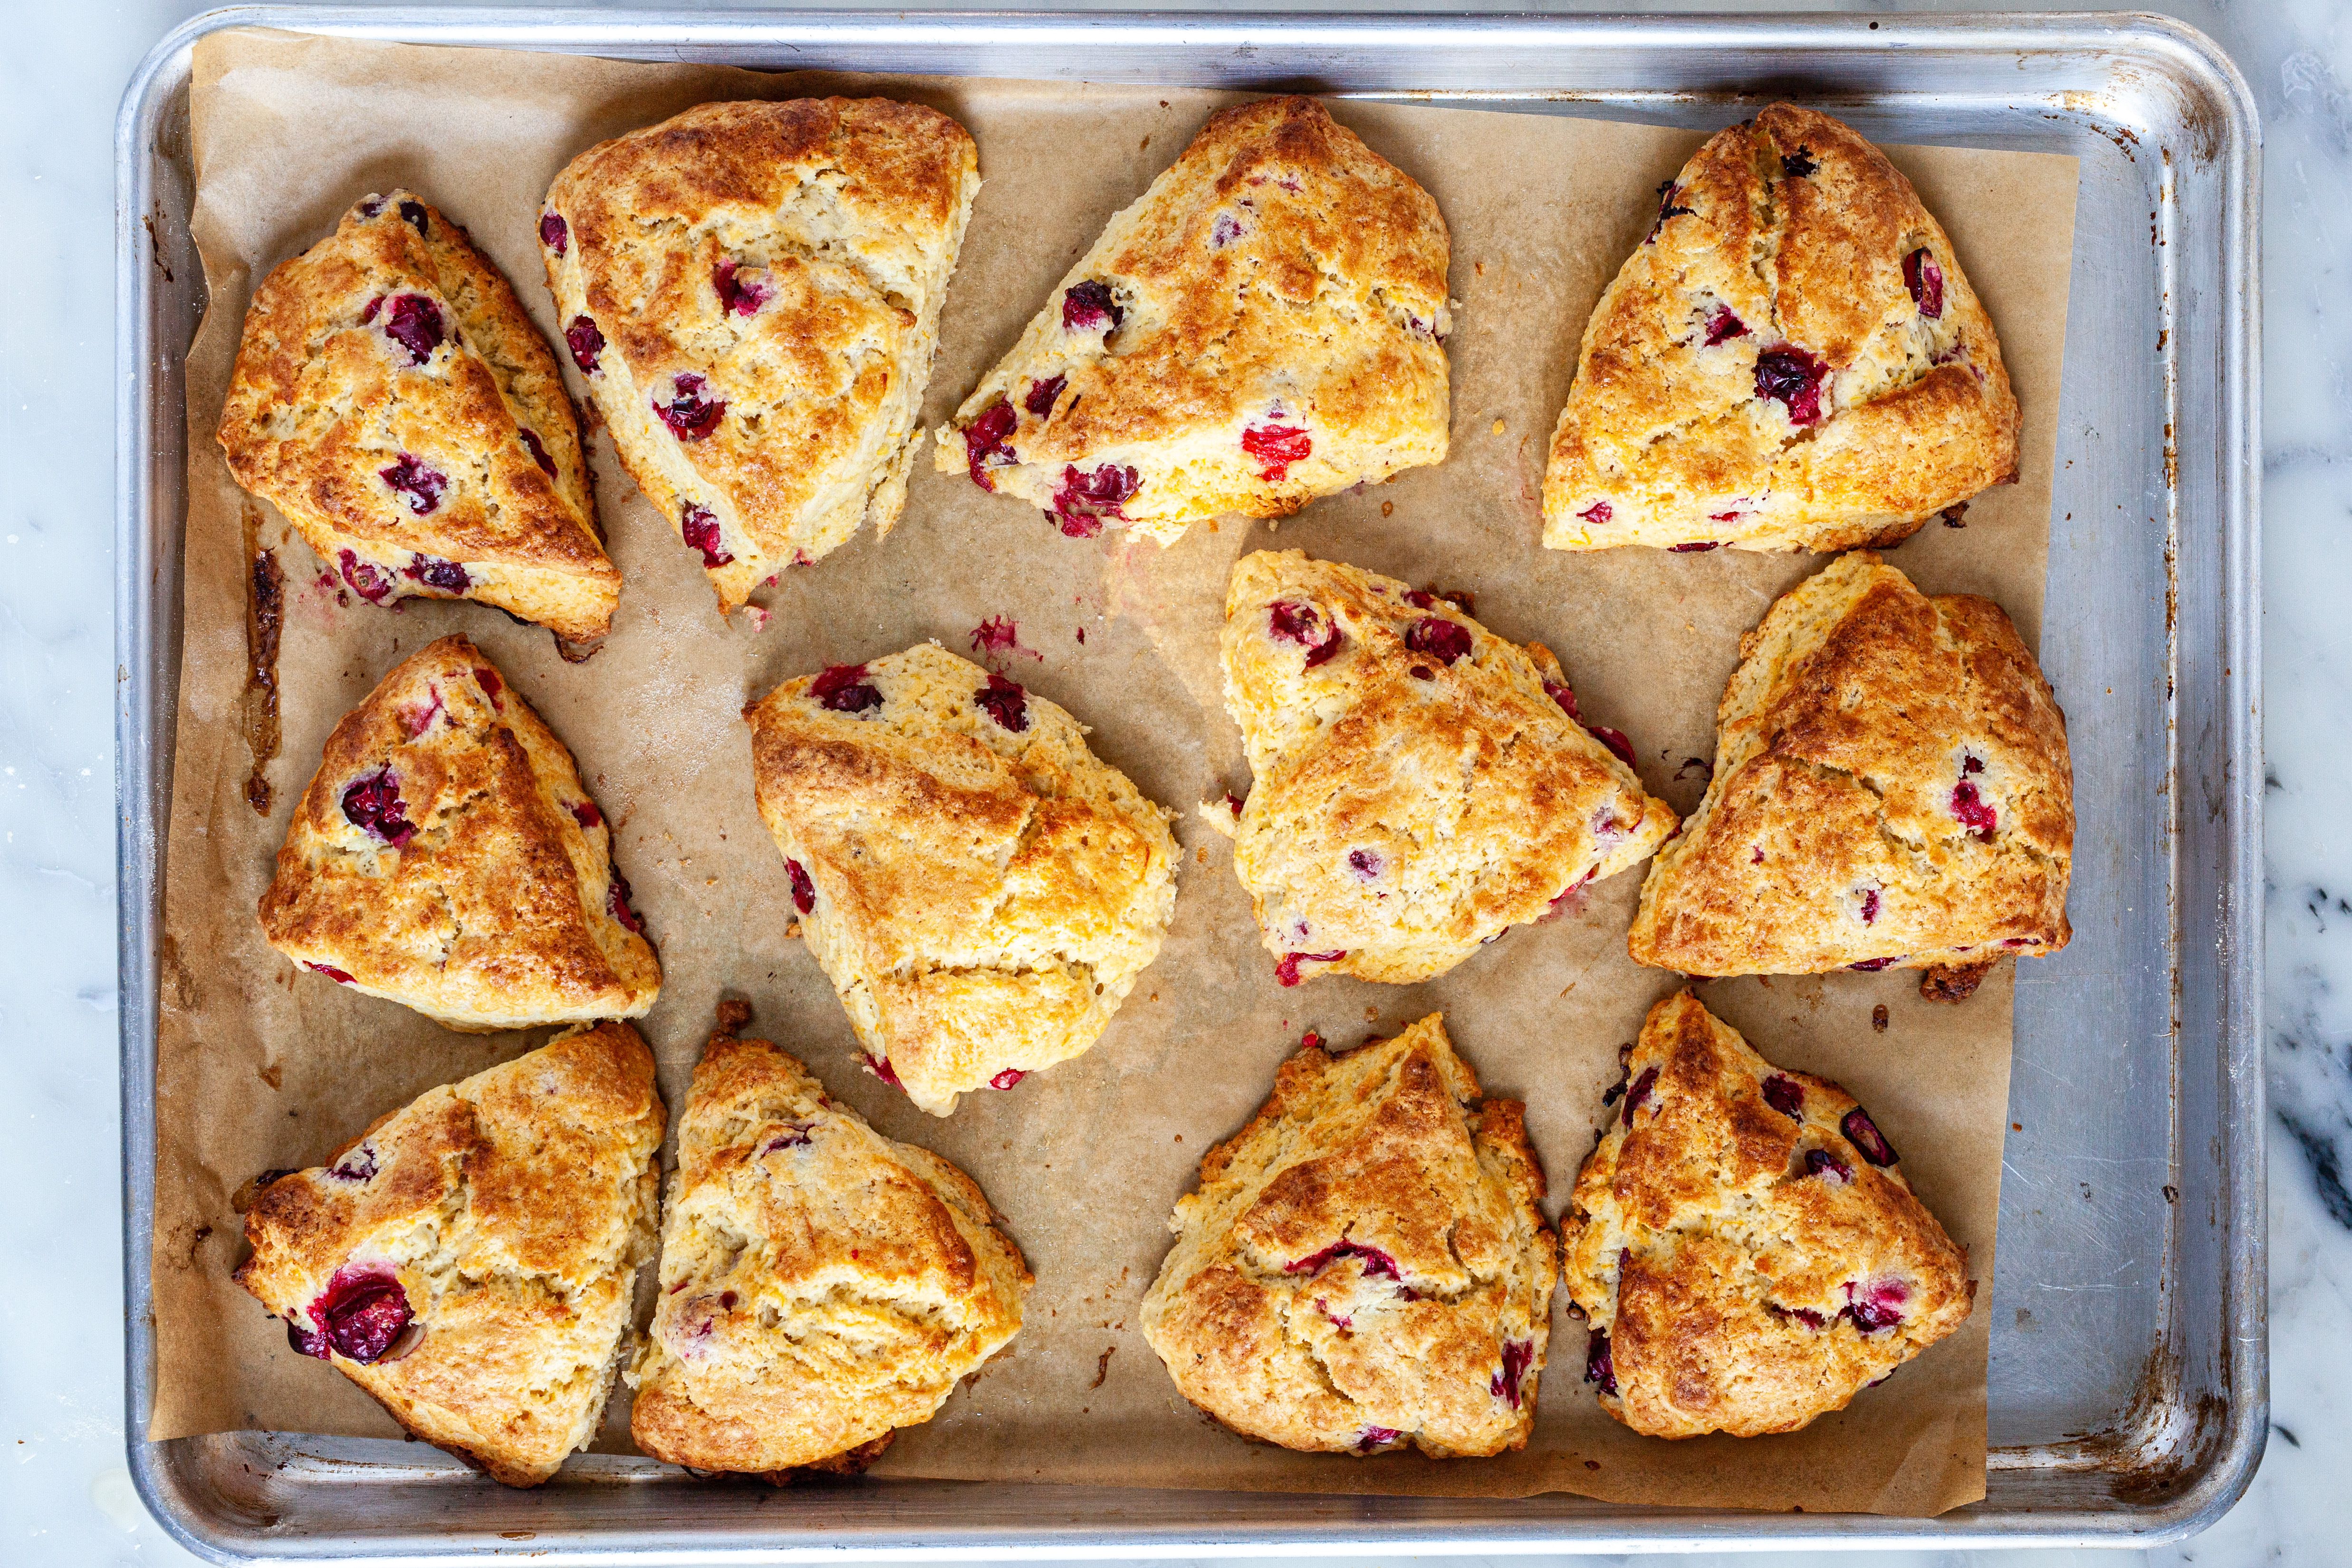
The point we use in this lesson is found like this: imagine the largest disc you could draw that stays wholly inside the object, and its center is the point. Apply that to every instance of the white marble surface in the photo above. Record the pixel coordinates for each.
(65, 1495)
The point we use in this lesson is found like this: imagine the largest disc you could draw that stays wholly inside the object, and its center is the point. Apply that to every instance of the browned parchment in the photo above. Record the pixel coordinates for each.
(262, 1068)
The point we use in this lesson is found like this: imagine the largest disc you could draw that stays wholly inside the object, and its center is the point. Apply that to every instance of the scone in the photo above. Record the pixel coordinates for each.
(981, 889)
(1891, 787)
(393, 400)
(1363, 1266)
(821, 1285)
(446, 857)
(1264, 325)
(469, 1262)
(1422, 785)
(752, 293)
(1793, 360)
(1742, 1243)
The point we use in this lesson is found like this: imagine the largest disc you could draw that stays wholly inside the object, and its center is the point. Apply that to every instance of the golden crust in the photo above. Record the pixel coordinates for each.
(1364, 1264)
(1407, 809)
(502, 909)
(1788, 232)
(1863, 721)
(326, 412)
(1728, 1253)
(793, 256)
(821, 1285)
(1280, 303)
(514, 1209)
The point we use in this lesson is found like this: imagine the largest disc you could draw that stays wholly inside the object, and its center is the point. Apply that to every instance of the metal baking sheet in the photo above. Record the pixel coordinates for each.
(2128, 1384)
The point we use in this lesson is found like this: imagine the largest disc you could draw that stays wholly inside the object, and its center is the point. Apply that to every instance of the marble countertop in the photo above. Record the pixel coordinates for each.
(66, 1496)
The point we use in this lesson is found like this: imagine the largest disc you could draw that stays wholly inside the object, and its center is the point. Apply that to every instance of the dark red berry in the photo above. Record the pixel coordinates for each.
(1598, 1366)
(804, 890)
(1869, 906)
(1667, 208)
(339, 977)
(741, 295)
(1004, 701)
(1619, 746)
(1926, 281)
(1794, 377)
(880, 1068)
(358, 1165)
(1225, 231)
(1695, 548)
(1375, 1261)
(1008, 1077)
(616, 903)
(699, 528)
(420, 487)
(1086, 499)
(1559, 692)
(586, 342)
(1377, 1437)
(984, 439)
(1286, 973)
(1722, 326)
(1043, 394)
(435, 573)
(1599, 512)
(690, 414)
(1441, 639)
(1798, 165)
(414, 323)
(1975, 811)
(361, 1312)
(1364, 863)
(1275, 447)
(1828, 1167)
(843, 688)
(554, 233)
(1785, 1095)
(1871, 965)
(1290, 621)
(1089, 306)
(538, 452)
(373, 805)
(998, 634)
(585, 814)
(413, 212)
(1639, 1095)
(1864, 1134)
(1518, 1356)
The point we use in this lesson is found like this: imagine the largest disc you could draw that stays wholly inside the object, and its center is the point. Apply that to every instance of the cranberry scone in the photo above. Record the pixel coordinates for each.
(1793, 360)
(390, 397)
(752, 293)
(1421, 784)
(1364, 1265)
(821, 1285)
(1264, 325)
(1742, 1243)
(446, 857)
(981, 889)
(469, 1262)
(1892, 787)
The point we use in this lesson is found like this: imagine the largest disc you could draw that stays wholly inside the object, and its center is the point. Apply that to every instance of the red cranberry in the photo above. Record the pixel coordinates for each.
(1008, 1077)
(1864, 1134)
(984, 439)
(699, 528)
(1975, 811)
(1290, 621)
(421, 487)
(361, 1312)
(1443, 640)
(1089, 307)
(1971, 764)
(1599, 1365)
(1619, 746)
(371, 207)
(616, 903)
(538, 452)
(1004, 701)
(586, 342)
(1870, 965)
(1794, 377)
(1755, 856)
(2017, 942)
(413, 212)
(1042, 395)
(843, 688)
(880, 1068)
(804, 890)
(1811, 1320)
(1828, 1167)
(1785, 1095)
(554, 233)
(373, 805)
(1364, 863)
(1085, 499)
(1696, 547)
(1518, 1356)
(1722, 326)
(1559, 692)
(1639, 1094)
(1286, 973)
(1598, 513)
(435, 573)
(1375, 1261)
(1275, 447)
(1926, 281)
(742, 295)
(585, 814)
(373, 305)
(416, 720)
(1377, 1437)
(688, 414)
(998, 634)
(488, 679)
(1798, 165)
(795, 1135)
(414, 323)
(1225, 231)
(1233, 805)
(339, 976)
(1869, 906)
(1879, 1310)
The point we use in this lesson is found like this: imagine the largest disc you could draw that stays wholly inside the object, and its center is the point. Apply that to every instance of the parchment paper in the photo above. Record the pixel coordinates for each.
(262, 1068)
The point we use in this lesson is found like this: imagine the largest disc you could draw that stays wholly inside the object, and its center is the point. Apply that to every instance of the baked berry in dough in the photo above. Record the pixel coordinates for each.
(1363, 1266)
(392, 398)
(821, 1285)
(1891, 787)
(981, 889)
(1743, 1242)
(469, 1261)
(1421, 784)
(447, 857)
(751, 292)
(1262, 327)
(1791, 360)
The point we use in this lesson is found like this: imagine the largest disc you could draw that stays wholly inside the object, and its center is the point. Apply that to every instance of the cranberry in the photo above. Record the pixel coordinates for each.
(1377, 1437)
(416, 720)
(1042, 395)
(1926, 281)
(700, 529)
(2017, 942)
(1290, 621)
(742, 295)
(1085, 499)
(1004, 701)
(414, 211)
(1696, 547)
(1798, 163)
(339, 977)
(1599, 512)
(421, 487)
(1286, 973)
(1443, 640)
(1008, 1077)
(804, 890)
(374, 805)
(414, 323)
(538, 452)
(1756, 856)
(1732, 516)
(1225, 231)
(1976, 812)
(1864, 1134)
(1276, 447)
(1639, 1094)
(1571, 899)
(998, 634)
(688, 414)
(984, 439)
(554, 233)
(616, 903)
(1561, 693)
(585, 814)
(1785, 1095)
(843, 688)
(1667, 208)
(1871, 965)
(1364, 863)
(1828, 1167)
(1619, 746)
(1794, 377)
(586, 342)
(1518, 1356)
(488, 679)
(1869, 906)
(435, 573)
(795, 1135)
(358, 1165)
(1811, 1320)
(880, 1068)
(370, 207)
(1421, 672)
(372, 307)
(1375, 1261)
(1722, 326)
(1971, 764)
(1089, 307)
(361, 1312)
(1605, 826)
(1233, 805)
(1599, 1365)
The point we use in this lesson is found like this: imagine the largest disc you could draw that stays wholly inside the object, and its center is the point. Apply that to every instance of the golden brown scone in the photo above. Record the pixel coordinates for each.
(1422, 785)
(393, 400)
(981, 889)
(1793, 360)
(446, 857)
(821, 1285)
(1364, 1264)
(752, 293)
(1891, 786)
(470, 1260)
(1264, 325)
(1742, 1244)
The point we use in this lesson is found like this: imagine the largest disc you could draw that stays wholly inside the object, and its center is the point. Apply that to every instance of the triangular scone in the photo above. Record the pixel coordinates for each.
(1891, 786)
(1262, 327)
(393, 400)
(446, 857)
(1421, 784)
(1743, 1244)
(470, 1262)
(752, 293)
(1364, 1265)
(981, 889)
(821, 1285)
(1793, 360)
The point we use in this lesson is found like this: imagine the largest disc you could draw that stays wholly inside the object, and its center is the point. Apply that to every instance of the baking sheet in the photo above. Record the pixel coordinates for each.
(260, 1069)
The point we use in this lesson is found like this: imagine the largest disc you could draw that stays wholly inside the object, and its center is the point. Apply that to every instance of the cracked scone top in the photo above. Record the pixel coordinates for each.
(751, 292)
(1891, 787)
(470, 1262)
(392, 398)
(1420, 784)
(1743, 1242)
(979, 888)
(1264, 325)
(446, 857)
(1364, 1265)
(1791, 360)
(821, 1285)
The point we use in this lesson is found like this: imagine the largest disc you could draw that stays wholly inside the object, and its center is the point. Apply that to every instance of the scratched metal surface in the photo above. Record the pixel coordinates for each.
(2129, 1381)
